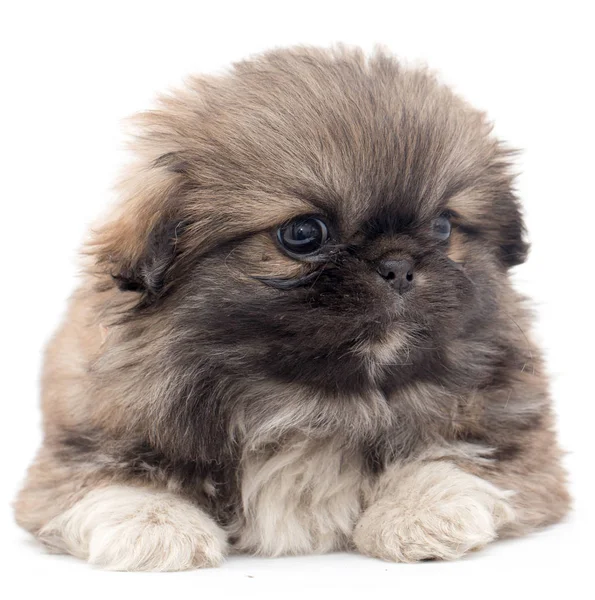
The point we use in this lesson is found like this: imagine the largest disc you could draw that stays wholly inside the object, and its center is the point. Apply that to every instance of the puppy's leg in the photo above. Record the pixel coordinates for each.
(127, 528)
(445, 508)
(430, 509)
(118, 527)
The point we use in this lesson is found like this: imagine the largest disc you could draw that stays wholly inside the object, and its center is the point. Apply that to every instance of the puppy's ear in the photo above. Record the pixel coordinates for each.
(513, 249)
(148, 274)
(136, 249)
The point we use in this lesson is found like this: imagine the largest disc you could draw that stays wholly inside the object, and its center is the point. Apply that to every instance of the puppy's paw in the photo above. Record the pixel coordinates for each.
(132, 529)
(435, 510)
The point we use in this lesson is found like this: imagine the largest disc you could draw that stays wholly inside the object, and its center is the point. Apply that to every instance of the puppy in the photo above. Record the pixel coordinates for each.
(296, 333)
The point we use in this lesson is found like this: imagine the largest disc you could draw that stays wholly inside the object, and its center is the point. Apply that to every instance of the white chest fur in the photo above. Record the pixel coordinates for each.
(305, 498)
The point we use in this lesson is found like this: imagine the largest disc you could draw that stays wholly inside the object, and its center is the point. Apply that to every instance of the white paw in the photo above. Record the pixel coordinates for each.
(133, 529)
(433, 510)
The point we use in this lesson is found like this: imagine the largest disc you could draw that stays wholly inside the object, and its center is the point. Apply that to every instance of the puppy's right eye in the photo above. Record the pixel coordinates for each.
(303, 236)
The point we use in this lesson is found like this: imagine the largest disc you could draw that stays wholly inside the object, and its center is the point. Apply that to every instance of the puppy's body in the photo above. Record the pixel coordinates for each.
(211, 389)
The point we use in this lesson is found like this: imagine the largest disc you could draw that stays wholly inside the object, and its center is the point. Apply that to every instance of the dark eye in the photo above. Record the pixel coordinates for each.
(303, 236)
(441, 227)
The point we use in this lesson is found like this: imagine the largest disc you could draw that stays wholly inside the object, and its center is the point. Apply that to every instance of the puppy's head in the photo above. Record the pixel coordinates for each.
(315, 216)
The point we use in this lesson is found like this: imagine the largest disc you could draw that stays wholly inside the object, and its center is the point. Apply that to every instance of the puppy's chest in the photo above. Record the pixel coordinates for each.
(303, 498)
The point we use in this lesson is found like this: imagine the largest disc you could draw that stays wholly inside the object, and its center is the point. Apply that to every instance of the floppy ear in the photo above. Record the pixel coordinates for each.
(137, 248)
(513, 249)
(149, 272)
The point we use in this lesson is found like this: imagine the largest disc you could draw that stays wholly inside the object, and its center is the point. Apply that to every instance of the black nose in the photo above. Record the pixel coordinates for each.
(399, 273)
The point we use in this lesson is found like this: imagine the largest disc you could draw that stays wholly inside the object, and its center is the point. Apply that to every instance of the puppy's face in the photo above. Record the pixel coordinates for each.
(316, 218)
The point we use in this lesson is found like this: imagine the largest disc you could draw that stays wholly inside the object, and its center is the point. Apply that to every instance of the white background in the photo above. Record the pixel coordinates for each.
(70, 72)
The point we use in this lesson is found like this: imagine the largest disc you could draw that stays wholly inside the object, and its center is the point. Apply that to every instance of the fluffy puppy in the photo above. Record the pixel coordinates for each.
(296, 332)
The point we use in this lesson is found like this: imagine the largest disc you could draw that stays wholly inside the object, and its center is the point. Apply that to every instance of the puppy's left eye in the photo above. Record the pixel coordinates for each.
(303, 236)
(441, 227)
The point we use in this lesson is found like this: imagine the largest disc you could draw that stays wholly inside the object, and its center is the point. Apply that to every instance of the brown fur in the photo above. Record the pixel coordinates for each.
(180, 367)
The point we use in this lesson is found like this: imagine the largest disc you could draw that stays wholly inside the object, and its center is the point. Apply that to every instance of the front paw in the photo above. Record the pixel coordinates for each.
(434, 510)
(131, 529)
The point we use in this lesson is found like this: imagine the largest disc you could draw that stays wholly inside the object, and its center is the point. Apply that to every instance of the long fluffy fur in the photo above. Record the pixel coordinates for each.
(188, 380)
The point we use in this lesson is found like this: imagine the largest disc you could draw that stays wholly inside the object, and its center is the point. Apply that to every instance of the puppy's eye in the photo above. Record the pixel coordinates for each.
(441, 227)
(303, 236)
